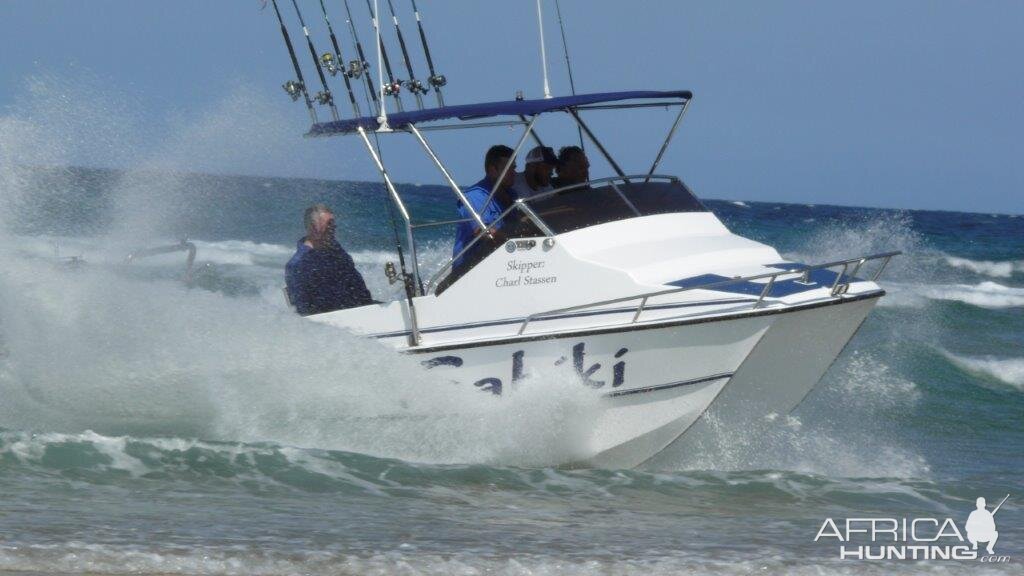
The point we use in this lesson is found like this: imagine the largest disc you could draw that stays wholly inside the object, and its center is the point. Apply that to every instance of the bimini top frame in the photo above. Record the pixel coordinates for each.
(512, 108)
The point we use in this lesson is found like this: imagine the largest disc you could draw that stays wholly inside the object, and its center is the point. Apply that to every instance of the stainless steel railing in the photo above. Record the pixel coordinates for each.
(518, 205)
(838, 288)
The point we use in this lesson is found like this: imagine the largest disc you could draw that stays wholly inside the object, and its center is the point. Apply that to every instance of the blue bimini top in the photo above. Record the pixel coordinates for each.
(324, 280)
(514, 108)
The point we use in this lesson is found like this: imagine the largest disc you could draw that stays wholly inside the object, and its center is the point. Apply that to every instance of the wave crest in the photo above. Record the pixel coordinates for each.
(995, 269)
(1006, 370)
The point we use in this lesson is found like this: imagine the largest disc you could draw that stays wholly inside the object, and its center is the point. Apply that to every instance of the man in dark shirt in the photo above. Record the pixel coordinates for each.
(573, 167)
(321, 276)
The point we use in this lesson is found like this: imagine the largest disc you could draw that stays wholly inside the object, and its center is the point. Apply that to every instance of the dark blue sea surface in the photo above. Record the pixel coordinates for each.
(147, 427)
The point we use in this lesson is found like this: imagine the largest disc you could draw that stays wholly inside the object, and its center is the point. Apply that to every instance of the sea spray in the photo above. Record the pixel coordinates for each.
(117, 350)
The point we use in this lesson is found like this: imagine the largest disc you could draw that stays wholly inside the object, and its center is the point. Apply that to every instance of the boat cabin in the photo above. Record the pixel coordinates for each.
(549, 214)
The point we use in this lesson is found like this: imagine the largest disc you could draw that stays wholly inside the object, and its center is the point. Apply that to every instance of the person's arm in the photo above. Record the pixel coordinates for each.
(477, 197)
(358, 285)
(296, 282)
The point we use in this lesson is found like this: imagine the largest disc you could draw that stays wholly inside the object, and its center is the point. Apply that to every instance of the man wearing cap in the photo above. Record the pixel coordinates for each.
(536, 175)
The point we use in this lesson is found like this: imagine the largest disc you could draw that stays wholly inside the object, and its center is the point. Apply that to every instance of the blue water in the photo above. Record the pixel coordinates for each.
(147, 427)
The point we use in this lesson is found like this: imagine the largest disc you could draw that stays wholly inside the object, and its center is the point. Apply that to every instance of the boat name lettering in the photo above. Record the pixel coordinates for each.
(585, 372)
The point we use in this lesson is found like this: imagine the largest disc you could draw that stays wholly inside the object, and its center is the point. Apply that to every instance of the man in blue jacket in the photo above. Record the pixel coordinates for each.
(321, 276)
(477, 195)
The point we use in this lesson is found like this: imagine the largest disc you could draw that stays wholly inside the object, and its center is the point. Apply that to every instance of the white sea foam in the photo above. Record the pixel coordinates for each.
(1003, 269)
(137, 354)
(986, 294)
(241, 252)
(840, 432)
(1006, 370)
(739, 203)
(151, 357)
(75, 557)
(983, 295)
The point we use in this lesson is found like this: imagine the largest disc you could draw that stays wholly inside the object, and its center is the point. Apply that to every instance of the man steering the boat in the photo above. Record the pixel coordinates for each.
(489, 211)
(321, 276)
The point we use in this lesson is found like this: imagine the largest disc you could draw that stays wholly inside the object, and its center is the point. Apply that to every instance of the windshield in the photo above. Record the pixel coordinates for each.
(584, 206)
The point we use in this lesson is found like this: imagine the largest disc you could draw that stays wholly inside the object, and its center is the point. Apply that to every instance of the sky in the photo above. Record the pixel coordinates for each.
(910, 104)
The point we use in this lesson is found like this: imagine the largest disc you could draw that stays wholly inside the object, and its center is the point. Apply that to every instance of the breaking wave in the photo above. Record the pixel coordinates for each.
(248, 561)
(1006, 370)
(1004, 269)
(985, 294)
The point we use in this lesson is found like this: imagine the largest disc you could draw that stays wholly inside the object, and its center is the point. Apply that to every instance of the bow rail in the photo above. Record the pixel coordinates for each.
(838, 288)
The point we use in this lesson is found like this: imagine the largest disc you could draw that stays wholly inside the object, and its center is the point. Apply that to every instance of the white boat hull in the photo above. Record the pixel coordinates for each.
(653, 381)
(720, 319)
(653, 395)
(779, 373)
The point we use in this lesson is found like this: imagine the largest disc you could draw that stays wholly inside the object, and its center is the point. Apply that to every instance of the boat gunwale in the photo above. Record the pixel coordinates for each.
(632, 327)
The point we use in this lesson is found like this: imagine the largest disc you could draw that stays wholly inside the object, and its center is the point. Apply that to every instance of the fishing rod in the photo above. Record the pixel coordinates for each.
(335, 63)
(362, 66)
(393, 87)
(294, 88)
(436, 80)
(1000, 505)
(412, 84)
(568, 63)
(324, 97)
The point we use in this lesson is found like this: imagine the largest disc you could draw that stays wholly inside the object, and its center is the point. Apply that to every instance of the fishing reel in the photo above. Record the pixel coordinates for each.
(324, 98)
(393, 276)
(356, 69)
(392, 88)
(416, 87)
(294, 89)
(330, 64)
(437, 80)
(390, 272)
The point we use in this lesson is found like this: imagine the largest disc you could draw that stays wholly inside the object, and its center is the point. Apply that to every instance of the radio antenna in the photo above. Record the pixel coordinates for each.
(393, 87)
(568, 63)
(436, 80)
(543, 53)
(297, 87)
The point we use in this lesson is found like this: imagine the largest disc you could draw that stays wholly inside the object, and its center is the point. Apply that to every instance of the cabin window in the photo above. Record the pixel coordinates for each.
(578, 208)
(583, 207)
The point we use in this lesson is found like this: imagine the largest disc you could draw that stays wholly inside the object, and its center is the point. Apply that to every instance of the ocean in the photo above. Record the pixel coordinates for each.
(149, 427)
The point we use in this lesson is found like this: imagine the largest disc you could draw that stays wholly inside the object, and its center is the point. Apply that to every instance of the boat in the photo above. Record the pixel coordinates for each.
(627, 283)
